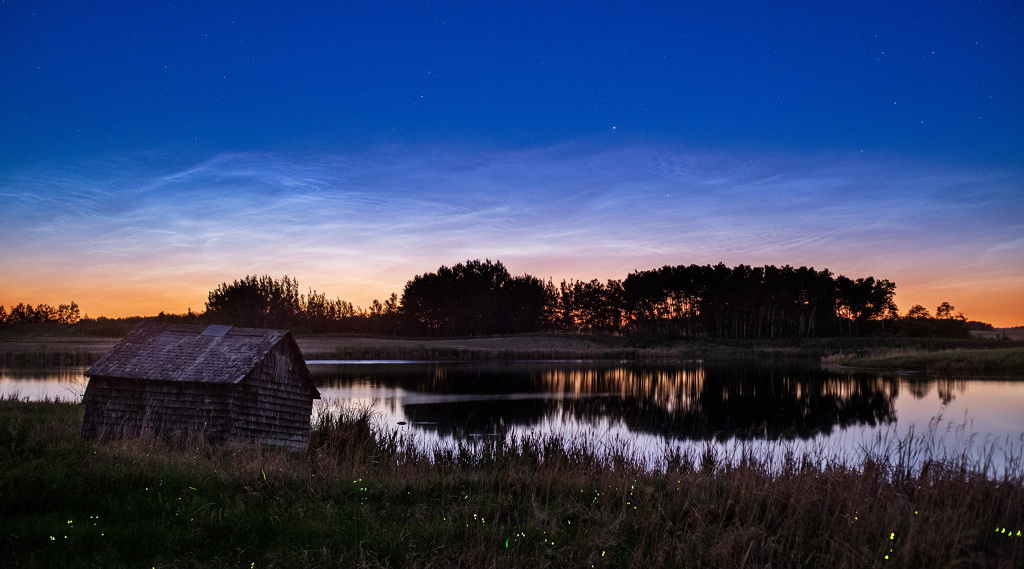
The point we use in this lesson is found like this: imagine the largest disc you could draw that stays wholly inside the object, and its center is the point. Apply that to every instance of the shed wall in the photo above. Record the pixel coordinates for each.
(117, 407)
(272, 405)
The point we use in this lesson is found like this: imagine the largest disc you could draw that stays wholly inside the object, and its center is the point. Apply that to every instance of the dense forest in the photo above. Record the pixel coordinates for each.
(483, 298)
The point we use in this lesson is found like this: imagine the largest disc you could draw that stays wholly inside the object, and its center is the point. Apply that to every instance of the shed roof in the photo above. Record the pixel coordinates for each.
(182, 352)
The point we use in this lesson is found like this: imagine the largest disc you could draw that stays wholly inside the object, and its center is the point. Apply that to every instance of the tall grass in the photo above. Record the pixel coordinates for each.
(643, 348)
(961, 361)
(41, 357)
(365, 495)
(448, 353)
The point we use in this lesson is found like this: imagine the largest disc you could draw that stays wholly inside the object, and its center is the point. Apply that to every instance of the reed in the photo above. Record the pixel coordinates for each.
(679, 350)
(47, 358)
(366, 495)
(959, 361)
(447, 353)
(645, 348)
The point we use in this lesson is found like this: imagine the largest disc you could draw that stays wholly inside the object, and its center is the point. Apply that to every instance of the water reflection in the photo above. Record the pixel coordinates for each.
(34, 383)
(679, 401)
(690, 401)
(653, 407)
(947, 388)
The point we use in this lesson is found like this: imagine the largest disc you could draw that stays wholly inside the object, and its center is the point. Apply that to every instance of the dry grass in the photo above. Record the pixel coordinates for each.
(42, 346)
(364, 495)
(1006, 334)
(957, 361)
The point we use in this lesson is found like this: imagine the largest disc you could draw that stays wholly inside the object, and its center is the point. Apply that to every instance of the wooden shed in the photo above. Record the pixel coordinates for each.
(170, 380)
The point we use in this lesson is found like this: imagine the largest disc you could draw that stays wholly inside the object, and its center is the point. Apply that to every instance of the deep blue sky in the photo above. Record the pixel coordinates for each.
(773, 124)
(85, 78)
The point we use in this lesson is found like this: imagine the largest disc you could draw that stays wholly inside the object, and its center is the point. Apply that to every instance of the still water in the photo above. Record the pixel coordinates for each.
(651, 407)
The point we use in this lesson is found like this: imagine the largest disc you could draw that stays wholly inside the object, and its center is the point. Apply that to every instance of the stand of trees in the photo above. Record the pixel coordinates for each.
(265, 302)
(482, 297)
(755, 302)
(475, 298)
(919, 323)
(22, 313)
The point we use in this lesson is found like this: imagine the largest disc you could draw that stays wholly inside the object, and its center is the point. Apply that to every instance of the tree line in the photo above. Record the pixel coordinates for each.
(483, 298)
(22, 313)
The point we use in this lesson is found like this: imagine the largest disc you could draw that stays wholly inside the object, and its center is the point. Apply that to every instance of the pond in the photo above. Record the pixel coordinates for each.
(794, 405)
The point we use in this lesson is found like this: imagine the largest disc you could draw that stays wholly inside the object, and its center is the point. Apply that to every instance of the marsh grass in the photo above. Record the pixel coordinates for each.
(647, 348)
(41, 346)
(449, 353)
(44, 357)
(954, 361)
(366, 495)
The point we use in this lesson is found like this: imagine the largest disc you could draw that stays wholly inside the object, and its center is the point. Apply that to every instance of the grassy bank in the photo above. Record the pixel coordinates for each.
(361, 496)
(603, 347)
(40, 344)
(994, 361)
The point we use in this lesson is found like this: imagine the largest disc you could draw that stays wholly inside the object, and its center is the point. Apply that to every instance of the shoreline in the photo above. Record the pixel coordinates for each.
(359, 496)
(968, 354)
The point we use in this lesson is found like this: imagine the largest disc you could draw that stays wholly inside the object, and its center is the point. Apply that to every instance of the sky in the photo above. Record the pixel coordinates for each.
(151, 151)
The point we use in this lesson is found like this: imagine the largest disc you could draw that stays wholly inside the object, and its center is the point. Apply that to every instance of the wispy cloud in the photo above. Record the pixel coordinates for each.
(359, 224)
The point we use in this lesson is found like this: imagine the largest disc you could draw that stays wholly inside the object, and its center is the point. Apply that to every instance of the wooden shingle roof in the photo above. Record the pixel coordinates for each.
(182, 352)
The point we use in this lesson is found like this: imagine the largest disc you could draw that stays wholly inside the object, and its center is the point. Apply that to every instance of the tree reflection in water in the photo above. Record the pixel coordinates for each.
(684, 401)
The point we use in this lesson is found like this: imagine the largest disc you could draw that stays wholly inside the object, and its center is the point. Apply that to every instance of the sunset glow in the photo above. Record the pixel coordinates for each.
(157, 152)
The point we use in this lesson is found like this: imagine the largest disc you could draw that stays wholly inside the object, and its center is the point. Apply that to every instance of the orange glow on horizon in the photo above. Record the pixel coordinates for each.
(1000, 304)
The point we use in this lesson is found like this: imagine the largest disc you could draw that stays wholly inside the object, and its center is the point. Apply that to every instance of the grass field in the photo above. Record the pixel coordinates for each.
(1010, 334)
(960, 361)
(44, 344)
(362, 496)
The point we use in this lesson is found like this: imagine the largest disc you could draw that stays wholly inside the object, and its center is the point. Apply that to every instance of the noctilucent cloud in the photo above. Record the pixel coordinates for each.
(151, 151)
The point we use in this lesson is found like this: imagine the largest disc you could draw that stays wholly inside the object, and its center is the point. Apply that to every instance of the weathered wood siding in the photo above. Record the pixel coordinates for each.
(118, 407)
(272, 405)
(221, 382)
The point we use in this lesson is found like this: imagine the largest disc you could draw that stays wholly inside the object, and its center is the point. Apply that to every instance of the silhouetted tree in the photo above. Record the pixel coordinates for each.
(188, 317)
(747, 301)
(68, 313)
(475, 297)
(863, 300)
(22, 313)
(979, 326)
(481, 297)
(918, 322)
(589, 306)
(318, 313)
(260, 302)
(389, 306)
(918, 311)
(45, 313)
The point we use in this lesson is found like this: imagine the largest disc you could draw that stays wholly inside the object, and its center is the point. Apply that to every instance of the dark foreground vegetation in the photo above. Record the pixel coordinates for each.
(362, 496)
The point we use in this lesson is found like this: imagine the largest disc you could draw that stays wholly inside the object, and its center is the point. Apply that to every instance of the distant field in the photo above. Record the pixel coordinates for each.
(83, 350)
(1015, 334)
(518, 343)
(67, 345)
(53, 350)
(44, 346)
(513, 347)
(322, 344)
(992, 361)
